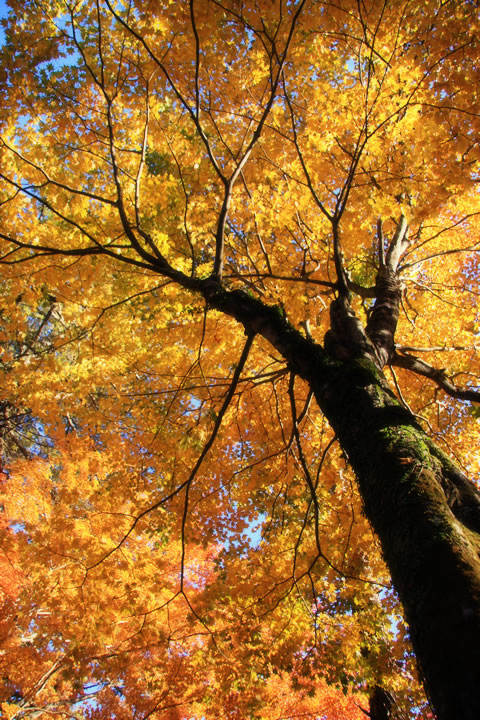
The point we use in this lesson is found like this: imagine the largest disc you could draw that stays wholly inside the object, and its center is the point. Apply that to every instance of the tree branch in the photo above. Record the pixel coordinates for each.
(221, 413)
(382, 323)
(420, 367)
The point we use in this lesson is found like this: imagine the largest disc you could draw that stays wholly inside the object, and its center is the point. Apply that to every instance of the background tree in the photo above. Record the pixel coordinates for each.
(243, 238)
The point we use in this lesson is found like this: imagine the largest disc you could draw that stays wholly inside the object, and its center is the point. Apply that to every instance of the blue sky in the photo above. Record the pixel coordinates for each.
(3, 13)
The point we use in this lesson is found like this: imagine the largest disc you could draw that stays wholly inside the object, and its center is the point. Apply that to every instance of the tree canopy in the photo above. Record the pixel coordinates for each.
(199, 199)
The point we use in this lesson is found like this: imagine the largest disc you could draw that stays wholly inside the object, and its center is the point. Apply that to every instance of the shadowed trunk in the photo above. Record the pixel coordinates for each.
(427, 516)
(383, 705)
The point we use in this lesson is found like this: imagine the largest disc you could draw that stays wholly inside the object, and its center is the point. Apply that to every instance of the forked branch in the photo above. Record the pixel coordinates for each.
(383, 319)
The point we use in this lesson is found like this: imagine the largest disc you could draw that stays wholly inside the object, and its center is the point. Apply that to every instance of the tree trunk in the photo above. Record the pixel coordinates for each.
(427, 516)
(423, 509)
(383, 705)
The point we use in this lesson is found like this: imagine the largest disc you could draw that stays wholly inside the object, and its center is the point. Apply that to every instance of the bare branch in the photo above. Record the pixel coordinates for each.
(211, 439)
(439, 376)
(174, 87)
(51, 181)
(220, 236)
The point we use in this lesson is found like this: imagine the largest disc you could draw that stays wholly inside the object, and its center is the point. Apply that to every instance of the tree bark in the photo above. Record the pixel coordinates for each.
(426, 515)
(424, 510)
(383, 705)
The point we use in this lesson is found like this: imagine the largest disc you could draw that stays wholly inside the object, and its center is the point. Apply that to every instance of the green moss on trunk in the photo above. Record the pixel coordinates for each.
(432, 554)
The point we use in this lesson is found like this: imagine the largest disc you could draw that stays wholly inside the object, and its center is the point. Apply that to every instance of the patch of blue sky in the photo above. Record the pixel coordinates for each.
(71, 55)
(4, 10)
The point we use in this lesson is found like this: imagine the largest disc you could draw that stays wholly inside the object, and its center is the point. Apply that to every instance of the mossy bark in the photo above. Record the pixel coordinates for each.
(427, 520)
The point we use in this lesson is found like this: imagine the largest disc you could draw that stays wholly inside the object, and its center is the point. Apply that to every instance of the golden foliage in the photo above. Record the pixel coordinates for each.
(152, 585)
